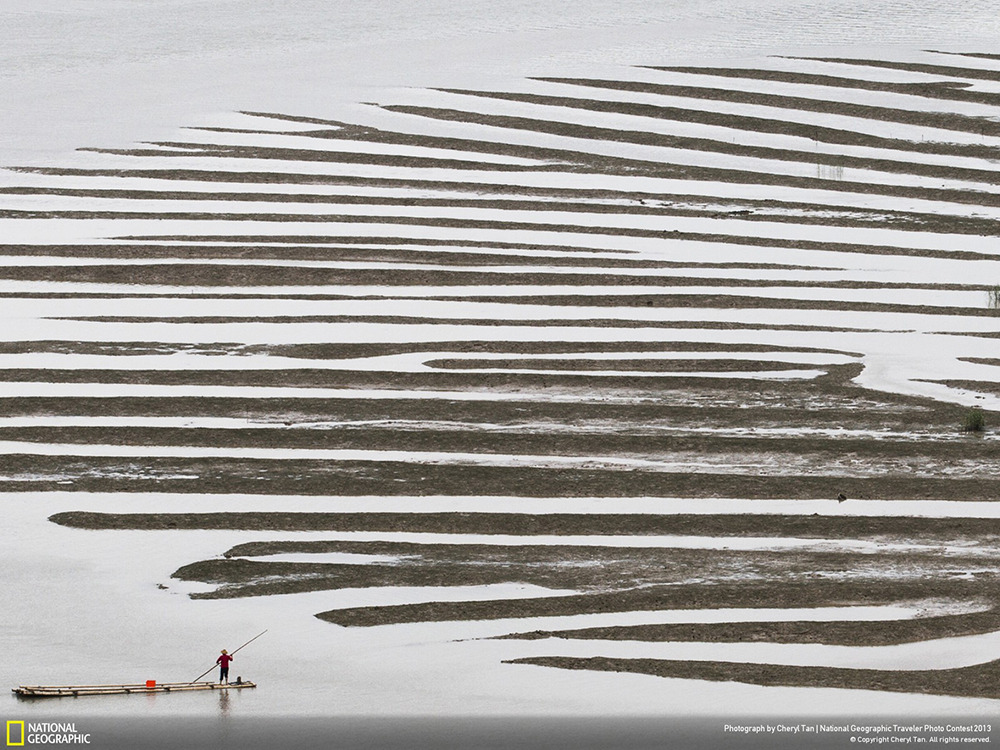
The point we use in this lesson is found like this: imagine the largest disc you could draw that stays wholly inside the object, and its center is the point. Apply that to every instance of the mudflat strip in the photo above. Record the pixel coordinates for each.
(791, 631)
(698, 284)
(973, 682)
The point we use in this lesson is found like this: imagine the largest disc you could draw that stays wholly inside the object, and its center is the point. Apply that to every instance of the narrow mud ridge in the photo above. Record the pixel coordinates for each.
(763, 594)
(878, 633)
(977, 681)
(930, 531)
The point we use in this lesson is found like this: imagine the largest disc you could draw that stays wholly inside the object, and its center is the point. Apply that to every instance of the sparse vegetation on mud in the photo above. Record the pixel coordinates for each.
(974, 421)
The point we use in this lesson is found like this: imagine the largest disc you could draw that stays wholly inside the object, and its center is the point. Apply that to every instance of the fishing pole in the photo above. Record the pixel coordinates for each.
(213, 666)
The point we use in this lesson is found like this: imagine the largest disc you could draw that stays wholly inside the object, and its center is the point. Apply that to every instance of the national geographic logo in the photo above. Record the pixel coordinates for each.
(15, 733)
(20, 734)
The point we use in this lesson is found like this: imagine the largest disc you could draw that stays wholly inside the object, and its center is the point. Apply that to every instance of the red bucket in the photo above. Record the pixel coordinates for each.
(150, 684)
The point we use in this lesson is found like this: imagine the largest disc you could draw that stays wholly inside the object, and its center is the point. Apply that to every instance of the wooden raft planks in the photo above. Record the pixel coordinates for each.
(63, 691)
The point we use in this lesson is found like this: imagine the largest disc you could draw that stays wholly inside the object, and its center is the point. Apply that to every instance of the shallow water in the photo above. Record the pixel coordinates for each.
(156, 65)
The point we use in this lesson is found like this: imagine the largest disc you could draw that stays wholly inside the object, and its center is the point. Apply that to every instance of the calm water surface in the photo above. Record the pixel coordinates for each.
(103, 72)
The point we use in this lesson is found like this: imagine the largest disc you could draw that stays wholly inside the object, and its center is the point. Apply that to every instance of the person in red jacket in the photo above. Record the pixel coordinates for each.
(223, 662)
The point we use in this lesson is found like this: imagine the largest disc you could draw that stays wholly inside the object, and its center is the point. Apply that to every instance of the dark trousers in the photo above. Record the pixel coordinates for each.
(224, 674)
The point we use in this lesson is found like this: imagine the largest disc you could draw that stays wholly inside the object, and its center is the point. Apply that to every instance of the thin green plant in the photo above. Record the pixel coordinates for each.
(974, 420)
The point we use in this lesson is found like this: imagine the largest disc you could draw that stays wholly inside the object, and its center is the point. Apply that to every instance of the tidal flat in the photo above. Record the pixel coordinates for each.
(587, 310)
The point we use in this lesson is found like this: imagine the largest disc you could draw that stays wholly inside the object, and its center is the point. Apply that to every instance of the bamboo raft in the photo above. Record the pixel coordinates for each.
(71, 691)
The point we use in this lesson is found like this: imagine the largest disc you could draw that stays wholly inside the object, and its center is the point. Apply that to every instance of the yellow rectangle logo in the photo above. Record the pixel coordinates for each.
(10, 741)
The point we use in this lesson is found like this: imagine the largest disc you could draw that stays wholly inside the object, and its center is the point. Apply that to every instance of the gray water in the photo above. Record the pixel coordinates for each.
(105, 72)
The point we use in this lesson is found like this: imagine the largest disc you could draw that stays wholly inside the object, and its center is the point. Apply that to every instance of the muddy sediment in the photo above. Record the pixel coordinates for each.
(608, 567)
(978, 681)
(26, 473)
(944, 90)
(856, 633)
(356, 350)
(682, 596)
(930, 531)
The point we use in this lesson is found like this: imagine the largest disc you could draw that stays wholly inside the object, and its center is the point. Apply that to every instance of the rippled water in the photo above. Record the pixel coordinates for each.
(154, 66)
(180, 28)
